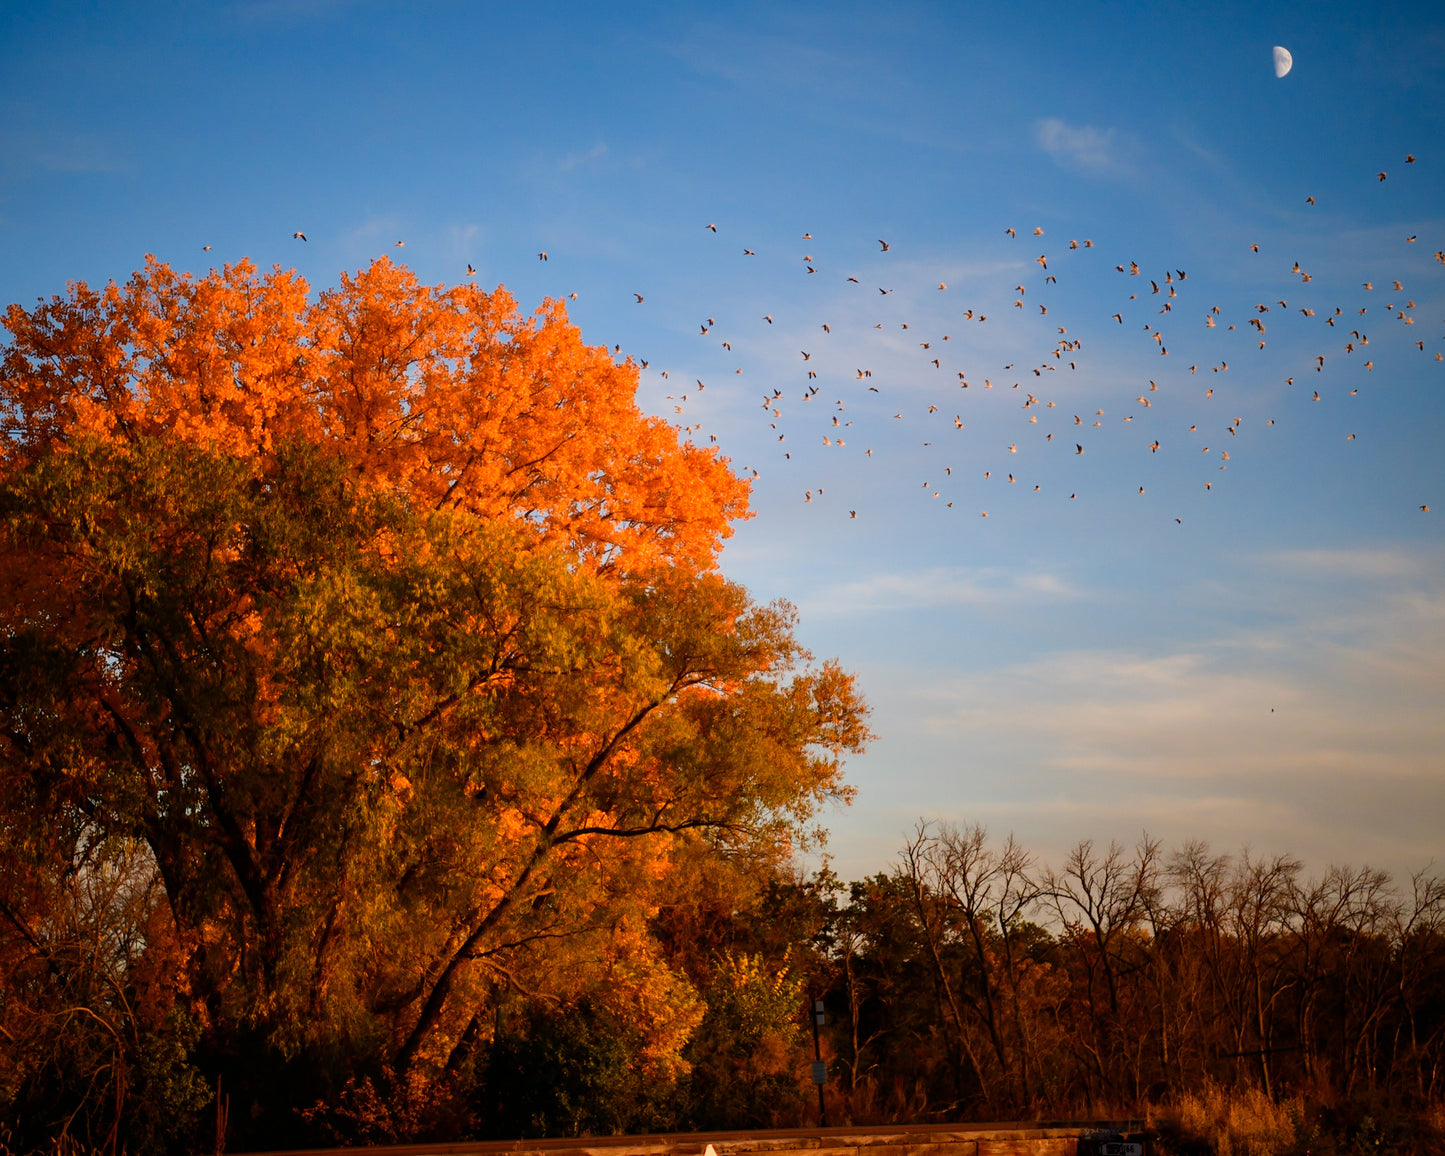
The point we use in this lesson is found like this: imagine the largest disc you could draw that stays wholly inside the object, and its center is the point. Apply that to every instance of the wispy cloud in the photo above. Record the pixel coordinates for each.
(75, 154)
(1313, 726)
(1362, 563)
(572, 160)
(1083, 147)
(1350, 692)
(754, 60)
(857, 87)
(373, 237)
(464, 241)
(940, 586)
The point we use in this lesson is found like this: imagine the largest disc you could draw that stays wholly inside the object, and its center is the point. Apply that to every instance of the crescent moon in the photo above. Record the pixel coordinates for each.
(1283, 61)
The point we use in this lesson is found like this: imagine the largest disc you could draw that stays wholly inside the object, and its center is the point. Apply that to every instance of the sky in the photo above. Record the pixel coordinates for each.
(1142, 635)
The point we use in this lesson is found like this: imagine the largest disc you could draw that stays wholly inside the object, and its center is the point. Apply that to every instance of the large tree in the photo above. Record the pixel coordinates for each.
(389, 631)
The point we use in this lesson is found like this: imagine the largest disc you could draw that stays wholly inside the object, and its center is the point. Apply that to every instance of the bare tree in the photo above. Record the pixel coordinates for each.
(1101, 900)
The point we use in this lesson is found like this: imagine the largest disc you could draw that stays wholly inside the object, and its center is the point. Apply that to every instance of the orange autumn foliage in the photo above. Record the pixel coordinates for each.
(383, 633)
(449, 394)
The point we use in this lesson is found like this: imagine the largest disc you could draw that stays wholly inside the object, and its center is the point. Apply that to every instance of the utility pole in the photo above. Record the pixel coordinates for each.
(820, 1069)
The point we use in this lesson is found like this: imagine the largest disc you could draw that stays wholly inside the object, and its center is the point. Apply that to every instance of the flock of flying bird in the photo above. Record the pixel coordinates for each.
(1162, 292)
(1168, 305)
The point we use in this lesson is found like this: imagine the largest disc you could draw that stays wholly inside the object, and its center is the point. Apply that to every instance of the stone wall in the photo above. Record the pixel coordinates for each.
(1017, 1139)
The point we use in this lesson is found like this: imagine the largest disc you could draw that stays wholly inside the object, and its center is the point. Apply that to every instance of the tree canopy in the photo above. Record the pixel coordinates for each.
(373, 646)
(447, 394)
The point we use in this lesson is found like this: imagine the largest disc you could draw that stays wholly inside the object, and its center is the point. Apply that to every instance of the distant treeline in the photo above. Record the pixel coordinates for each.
(969, 983)
(973, 981)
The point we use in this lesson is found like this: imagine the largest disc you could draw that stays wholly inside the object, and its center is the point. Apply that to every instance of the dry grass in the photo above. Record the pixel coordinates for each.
(1235, 1122)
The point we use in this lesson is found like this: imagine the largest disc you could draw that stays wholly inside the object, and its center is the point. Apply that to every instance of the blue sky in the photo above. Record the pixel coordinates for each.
(1254, 663)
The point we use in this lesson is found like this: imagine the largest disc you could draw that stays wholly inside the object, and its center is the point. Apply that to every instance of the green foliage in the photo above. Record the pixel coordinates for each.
(748, 1058)
(751, 1000)
(354, 743)
(364, 665)
(566, 1072)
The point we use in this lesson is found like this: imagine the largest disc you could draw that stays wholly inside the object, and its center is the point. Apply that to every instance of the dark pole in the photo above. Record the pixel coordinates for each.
(820, 1073)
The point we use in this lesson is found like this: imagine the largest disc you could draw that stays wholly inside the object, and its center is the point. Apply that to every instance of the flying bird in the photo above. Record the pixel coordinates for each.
(301, 236)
